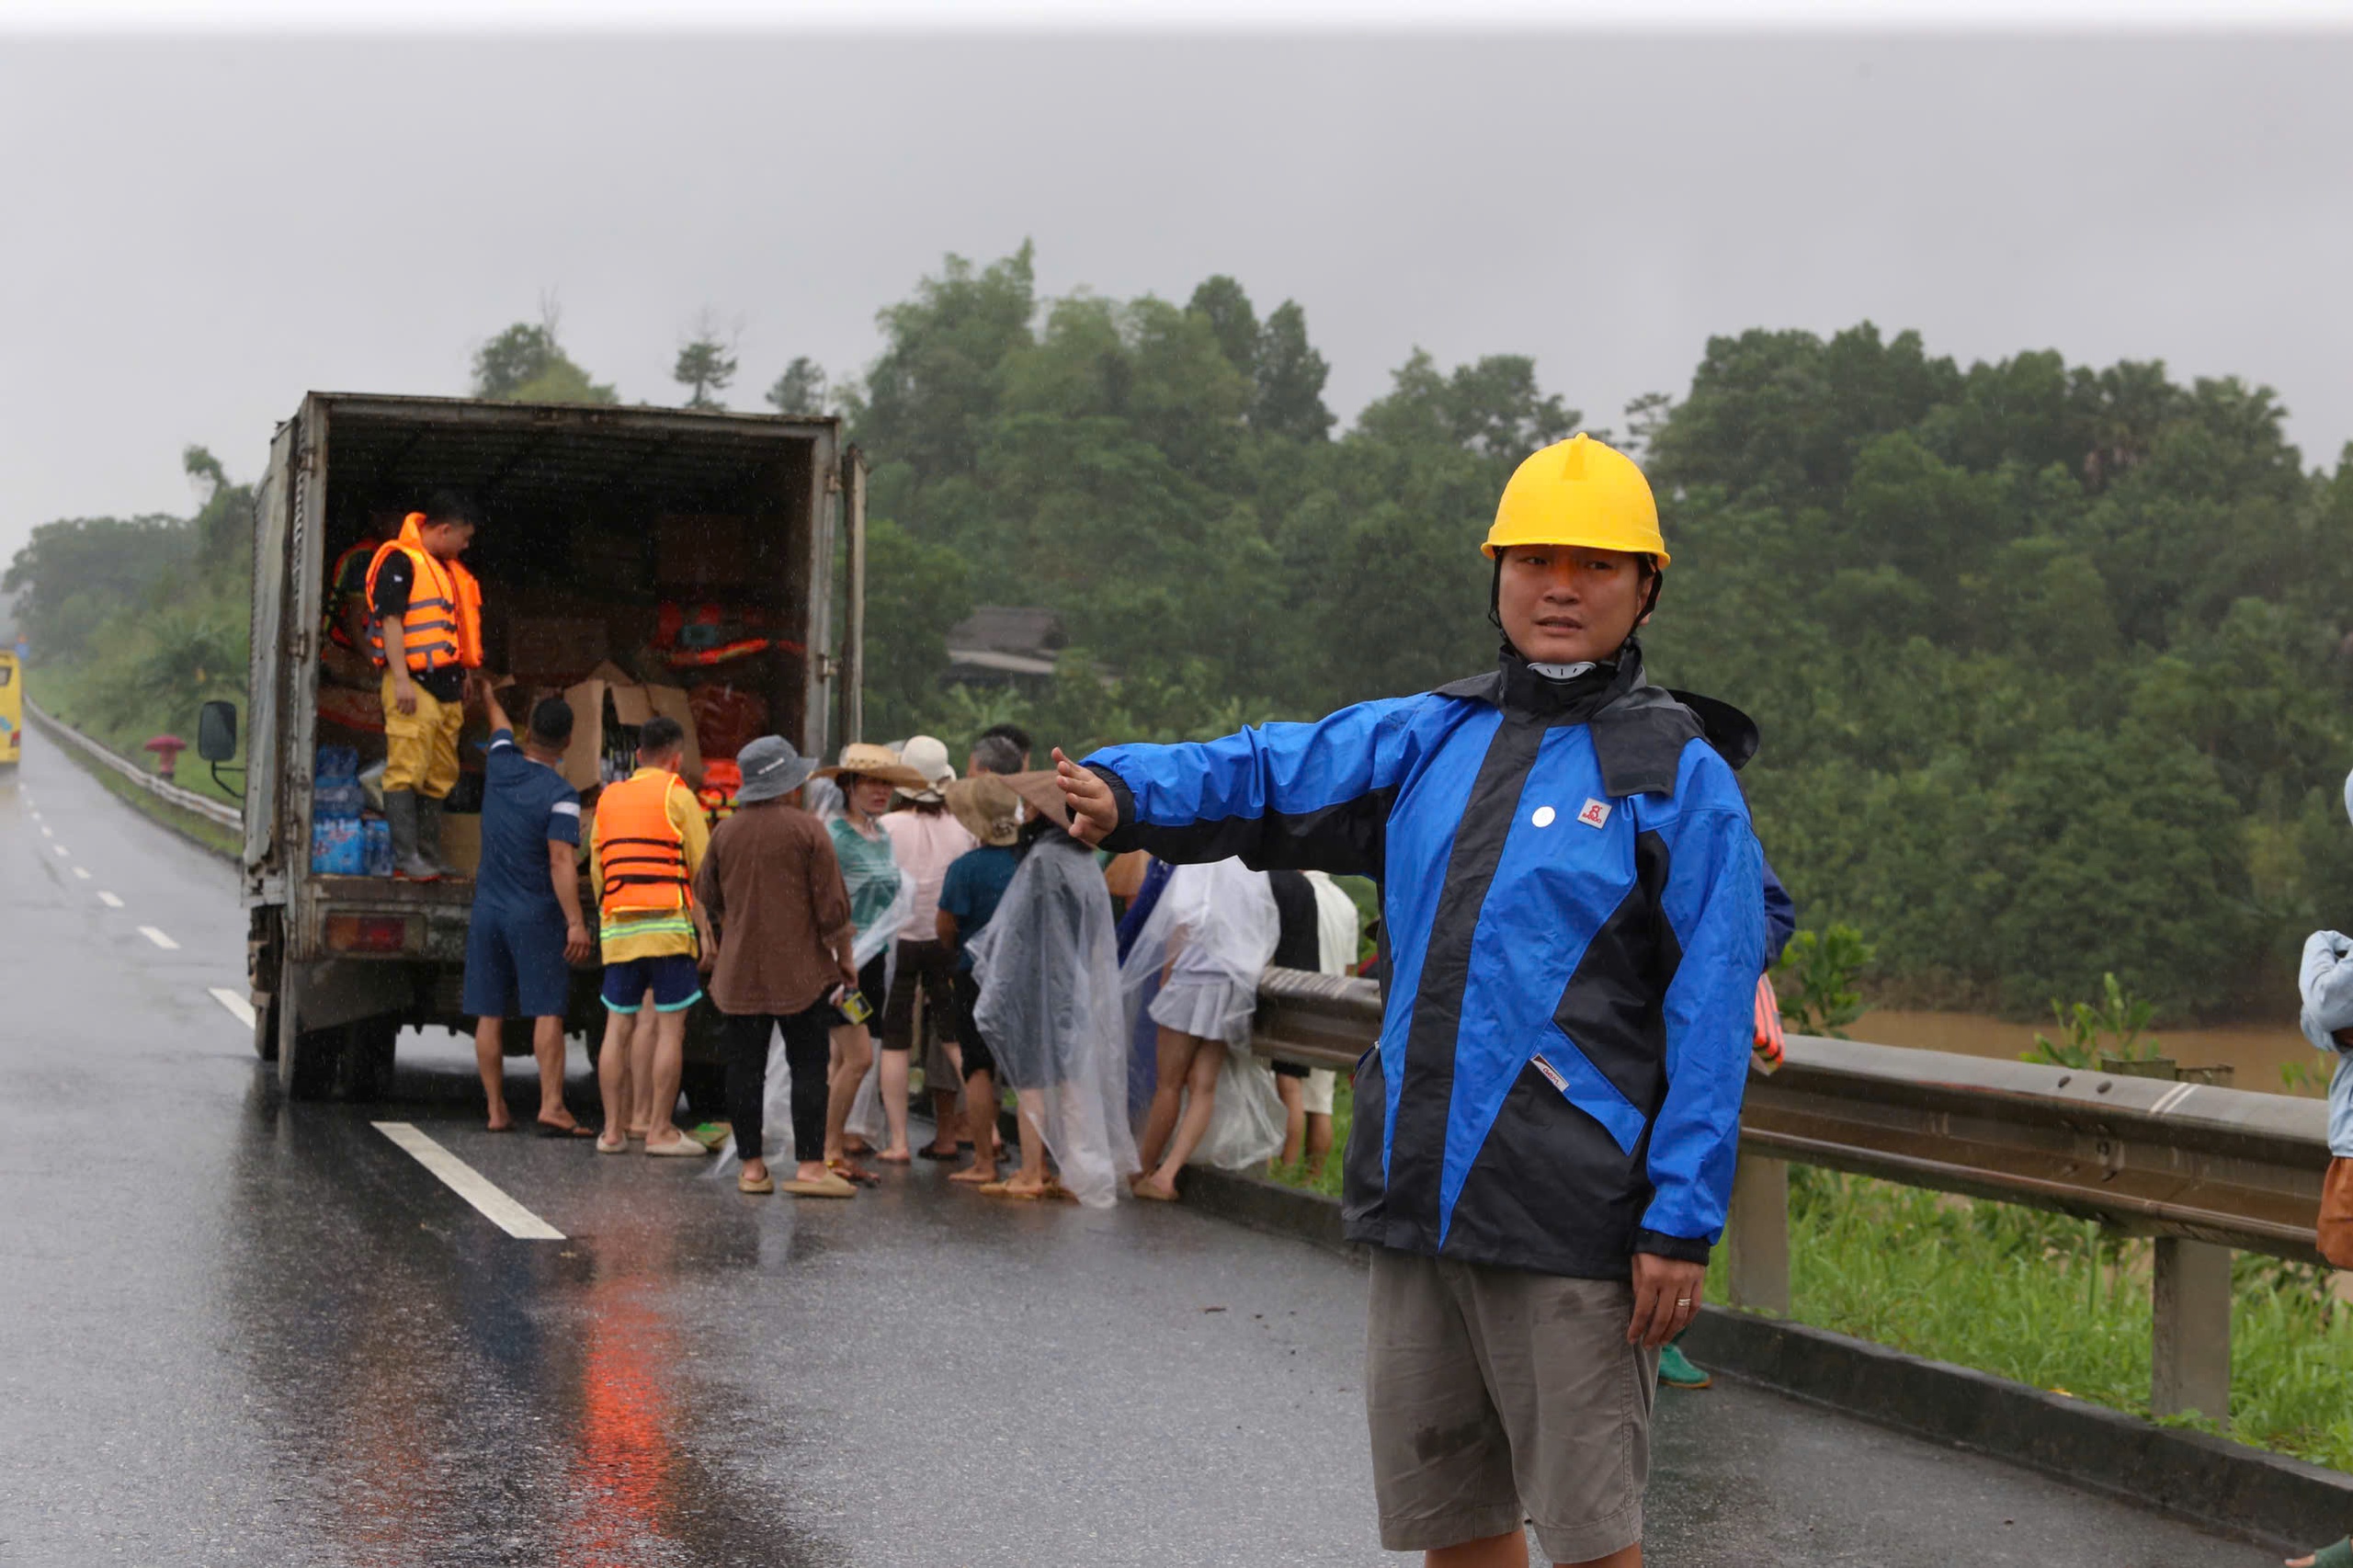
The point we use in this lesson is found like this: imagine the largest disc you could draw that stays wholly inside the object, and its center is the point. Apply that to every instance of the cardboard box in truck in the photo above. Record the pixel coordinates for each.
(577, 497)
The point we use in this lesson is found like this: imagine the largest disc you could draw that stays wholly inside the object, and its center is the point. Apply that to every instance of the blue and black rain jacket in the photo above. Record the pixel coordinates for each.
(1573, 925)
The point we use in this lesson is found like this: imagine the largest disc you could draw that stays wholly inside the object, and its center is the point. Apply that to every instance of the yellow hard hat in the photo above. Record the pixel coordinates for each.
(1578, 492)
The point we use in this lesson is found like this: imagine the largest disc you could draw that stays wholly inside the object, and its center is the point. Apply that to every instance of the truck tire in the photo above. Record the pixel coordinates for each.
(263, 980)
(350, 1061)
(266, 1031)
(706, 1086)
(309, 1064)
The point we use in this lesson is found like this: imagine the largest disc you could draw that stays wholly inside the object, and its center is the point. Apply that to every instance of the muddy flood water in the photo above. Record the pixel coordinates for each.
(2256, 1051)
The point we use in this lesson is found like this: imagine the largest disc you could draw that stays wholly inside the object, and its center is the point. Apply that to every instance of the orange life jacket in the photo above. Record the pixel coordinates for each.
(443, 623)
(339, 589)
(640, 851)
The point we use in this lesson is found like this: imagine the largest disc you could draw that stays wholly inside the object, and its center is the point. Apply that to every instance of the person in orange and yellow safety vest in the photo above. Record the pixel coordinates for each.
(425, 634)
(646, 846)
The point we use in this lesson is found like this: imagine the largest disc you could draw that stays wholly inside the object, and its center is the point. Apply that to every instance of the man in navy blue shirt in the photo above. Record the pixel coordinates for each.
(526, 929)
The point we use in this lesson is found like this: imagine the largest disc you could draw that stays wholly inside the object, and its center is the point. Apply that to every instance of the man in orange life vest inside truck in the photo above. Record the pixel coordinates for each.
(425, 633)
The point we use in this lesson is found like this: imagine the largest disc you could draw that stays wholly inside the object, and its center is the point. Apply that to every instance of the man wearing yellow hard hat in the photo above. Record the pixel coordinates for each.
(1574, 922)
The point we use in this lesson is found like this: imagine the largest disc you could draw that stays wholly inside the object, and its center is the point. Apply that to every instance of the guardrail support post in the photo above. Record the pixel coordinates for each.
(1759, 1234)
(2191, 1369)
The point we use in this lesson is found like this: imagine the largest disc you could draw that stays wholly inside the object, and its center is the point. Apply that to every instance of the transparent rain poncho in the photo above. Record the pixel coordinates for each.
(1049, 976)
(1212, 933)
(879, 935)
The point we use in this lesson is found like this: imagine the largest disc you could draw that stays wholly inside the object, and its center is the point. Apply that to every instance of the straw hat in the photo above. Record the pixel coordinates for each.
(987, 807)
(870, 761)
(1041, 795)
(927, 756)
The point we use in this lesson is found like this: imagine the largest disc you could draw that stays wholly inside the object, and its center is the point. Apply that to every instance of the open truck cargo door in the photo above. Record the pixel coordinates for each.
(850, 669)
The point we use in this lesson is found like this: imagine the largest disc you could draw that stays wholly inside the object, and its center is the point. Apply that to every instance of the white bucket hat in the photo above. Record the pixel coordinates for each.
(927, 754)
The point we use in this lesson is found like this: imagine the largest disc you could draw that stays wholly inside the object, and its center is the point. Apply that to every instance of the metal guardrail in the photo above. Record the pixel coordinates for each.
(204, 806)
(2204, 1170)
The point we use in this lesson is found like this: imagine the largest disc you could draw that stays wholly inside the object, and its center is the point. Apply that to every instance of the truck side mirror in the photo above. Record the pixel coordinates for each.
(216, 732)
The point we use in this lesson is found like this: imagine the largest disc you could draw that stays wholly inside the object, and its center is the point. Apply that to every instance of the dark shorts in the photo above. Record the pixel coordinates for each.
(515, 966)
(927, 967)
(978, 1057)
(1290, 1070)
(676, 983)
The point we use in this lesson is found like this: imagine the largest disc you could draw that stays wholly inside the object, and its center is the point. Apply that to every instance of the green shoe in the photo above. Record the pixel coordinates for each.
(1676, 1370)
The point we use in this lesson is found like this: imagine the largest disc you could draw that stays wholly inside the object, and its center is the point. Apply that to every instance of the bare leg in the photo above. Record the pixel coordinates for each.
(1294, 1097)
(895, 1067)
(1510, 1551)
(1031, 1176)
(669, 1063)
(1175, 1053)
(945, 1116)
(1319, 1141)
(641, 1067)
(612, 1079)
(547, 1045)
(853, 1054)
(1505, 1550)
(1200, 1104)
(489, 1059)
(980, 1115)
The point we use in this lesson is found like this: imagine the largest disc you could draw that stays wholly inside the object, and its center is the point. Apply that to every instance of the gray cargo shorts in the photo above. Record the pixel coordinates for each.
(1497, 1395)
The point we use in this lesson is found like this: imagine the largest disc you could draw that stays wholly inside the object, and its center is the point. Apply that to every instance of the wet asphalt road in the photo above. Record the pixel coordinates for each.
(233, 1332)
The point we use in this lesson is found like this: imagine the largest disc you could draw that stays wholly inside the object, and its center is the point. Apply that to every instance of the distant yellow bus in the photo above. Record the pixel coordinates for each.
(12, 707)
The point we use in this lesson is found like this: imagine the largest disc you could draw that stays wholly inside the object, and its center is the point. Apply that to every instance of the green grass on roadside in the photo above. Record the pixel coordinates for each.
(1326, 1182)
(59, 690)
(2055, 1304)
(2041, 1300)
(212, 836)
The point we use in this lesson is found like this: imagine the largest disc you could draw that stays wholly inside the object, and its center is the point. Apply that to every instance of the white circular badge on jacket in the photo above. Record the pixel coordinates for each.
(1543, 817)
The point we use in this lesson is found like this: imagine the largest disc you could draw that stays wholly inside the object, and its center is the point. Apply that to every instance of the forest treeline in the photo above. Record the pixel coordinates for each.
(2050, 661)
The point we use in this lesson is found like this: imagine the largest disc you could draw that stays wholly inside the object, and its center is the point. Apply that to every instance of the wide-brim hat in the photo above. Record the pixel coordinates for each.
(987, 807)
(772, 767)
(1043, 795)
(870, 761)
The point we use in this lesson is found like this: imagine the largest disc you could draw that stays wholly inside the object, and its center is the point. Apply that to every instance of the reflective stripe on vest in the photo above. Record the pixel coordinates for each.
(442, 625)
(641, 854)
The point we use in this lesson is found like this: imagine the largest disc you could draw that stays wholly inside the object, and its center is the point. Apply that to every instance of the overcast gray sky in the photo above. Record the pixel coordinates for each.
(192, 233)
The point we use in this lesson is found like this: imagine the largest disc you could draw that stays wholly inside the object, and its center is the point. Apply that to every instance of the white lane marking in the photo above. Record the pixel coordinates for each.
(61, 850)
(470, 1185)
(159, 939)
(80, 873)
(239, 1008)
(45, 832)
(109, 901)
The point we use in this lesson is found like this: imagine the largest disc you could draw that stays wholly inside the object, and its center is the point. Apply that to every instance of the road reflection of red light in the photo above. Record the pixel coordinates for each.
(623, 1454)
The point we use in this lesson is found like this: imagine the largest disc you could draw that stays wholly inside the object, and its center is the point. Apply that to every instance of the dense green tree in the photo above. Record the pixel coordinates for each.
(1290, 376)
(526, 364)
(1220, 301)
(706, 366)
(801, 390)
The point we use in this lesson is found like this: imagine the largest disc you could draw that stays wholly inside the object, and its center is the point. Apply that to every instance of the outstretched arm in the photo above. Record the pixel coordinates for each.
(1314, 797)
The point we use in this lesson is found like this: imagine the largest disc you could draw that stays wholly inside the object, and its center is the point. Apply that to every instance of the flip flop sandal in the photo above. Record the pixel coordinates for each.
(557, 1130)
(930, 1153)
(889, 1160)
(850, 1172)
(1151, 1193)
(969, 1178)
(1007, 1189)
(605, 1148)
(963, 1145)
(763, 1185)
(679, 1148)
(829, 1185)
